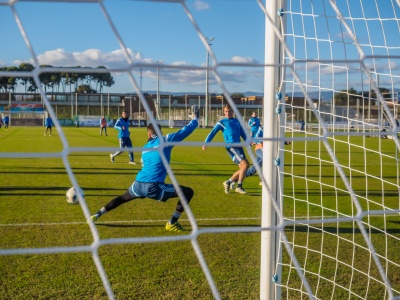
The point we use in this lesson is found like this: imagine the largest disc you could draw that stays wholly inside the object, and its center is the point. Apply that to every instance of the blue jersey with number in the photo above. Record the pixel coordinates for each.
(121, 122)
(231, 131)
(153, 169)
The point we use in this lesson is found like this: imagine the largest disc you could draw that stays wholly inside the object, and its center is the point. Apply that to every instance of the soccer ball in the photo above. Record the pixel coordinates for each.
(72, 195)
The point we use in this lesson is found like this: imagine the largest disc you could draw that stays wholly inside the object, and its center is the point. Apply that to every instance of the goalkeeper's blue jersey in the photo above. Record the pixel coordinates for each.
(122, 123)
(153, 169)
(231, 131)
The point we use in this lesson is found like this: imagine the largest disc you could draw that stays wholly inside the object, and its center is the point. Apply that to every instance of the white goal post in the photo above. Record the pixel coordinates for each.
(341, 79)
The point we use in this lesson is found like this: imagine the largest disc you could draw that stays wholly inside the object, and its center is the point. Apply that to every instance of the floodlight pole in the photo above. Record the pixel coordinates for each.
(141, 91)
(209, 40)
(369, 97)
(270, 275)
(158, 88)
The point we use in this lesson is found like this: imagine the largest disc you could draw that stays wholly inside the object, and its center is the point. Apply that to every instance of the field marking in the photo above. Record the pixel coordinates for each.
(121, 222)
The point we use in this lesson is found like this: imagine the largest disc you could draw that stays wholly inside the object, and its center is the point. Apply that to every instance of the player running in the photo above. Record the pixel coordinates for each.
(122, 125)
(231, 131)
(150, 181)
(258, 143)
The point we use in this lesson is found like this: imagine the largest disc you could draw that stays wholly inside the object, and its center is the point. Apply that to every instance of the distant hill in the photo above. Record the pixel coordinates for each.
(324, 96)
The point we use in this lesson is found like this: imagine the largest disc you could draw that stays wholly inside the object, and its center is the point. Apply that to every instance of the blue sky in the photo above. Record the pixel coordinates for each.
(78, 34)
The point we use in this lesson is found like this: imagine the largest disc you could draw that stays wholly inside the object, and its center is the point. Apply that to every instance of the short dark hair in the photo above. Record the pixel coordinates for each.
(227, 106)
(150, 128)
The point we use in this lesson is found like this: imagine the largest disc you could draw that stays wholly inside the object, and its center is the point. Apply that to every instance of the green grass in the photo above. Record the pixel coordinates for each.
(34, 214)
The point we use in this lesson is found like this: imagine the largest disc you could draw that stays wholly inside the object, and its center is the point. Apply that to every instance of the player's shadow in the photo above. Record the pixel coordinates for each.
(116, 225)
(203, 226)
(340, 230)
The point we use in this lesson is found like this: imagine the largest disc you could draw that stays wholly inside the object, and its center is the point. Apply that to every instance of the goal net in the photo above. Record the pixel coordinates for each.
(341, 79)
(329, 207)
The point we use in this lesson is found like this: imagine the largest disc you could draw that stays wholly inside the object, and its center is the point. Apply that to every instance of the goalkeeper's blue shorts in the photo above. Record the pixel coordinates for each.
(154, 190)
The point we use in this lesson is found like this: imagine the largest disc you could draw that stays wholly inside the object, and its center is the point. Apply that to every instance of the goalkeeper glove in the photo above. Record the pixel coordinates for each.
(194, 112)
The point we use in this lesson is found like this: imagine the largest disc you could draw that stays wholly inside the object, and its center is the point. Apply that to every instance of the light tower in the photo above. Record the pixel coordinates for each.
(159, 62)
(209, 40)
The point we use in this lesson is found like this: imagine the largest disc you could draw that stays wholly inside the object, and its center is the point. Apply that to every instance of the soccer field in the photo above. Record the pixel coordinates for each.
(36, 216)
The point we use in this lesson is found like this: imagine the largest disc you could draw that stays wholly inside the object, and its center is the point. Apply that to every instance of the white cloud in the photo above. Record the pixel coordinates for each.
(88, 58)
(201, 5)
(116, 59)
(240, 59)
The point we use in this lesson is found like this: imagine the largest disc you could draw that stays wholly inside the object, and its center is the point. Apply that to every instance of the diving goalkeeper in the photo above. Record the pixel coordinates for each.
(150, 181)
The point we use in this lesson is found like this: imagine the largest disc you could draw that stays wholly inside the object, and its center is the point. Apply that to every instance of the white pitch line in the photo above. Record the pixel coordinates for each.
(120, 222)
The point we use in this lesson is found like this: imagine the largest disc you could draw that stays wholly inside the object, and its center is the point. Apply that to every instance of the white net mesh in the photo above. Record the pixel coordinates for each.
(340, 187)
(344, 58)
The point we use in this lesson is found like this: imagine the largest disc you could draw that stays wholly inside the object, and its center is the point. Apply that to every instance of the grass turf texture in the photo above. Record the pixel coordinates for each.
(35, 214)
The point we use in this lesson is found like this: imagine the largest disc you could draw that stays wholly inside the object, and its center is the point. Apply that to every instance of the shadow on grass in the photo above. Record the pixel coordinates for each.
(340, 230)
(202, 226)
(130, 225)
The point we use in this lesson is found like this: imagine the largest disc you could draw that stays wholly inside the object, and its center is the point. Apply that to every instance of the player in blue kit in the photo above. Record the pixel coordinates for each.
(6, 122)
(253, 123)
(150, 181)
(48, 123)
(232, 131)
(258, 143)
(122, 125)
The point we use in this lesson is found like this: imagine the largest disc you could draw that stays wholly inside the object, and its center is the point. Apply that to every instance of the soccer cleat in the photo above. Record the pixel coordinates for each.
(226, 186)
(240, 191)
(132, 163)
(174, 227)
(232, 186)
(112, 158)
(94, 218)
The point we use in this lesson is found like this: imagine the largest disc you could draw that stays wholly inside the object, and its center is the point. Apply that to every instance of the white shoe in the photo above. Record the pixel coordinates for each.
(112, 158)
(240, 191)
(226, 187)
(132, 163)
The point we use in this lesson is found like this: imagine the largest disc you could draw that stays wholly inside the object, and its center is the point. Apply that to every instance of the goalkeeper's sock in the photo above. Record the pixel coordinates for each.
(101, 212)
(175, 217)
(239, 184)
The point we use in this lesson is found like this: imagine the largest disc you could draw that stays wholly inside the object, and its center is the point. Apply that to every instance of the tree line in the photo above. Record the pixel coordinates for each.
(82, 82)
(351, 96)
